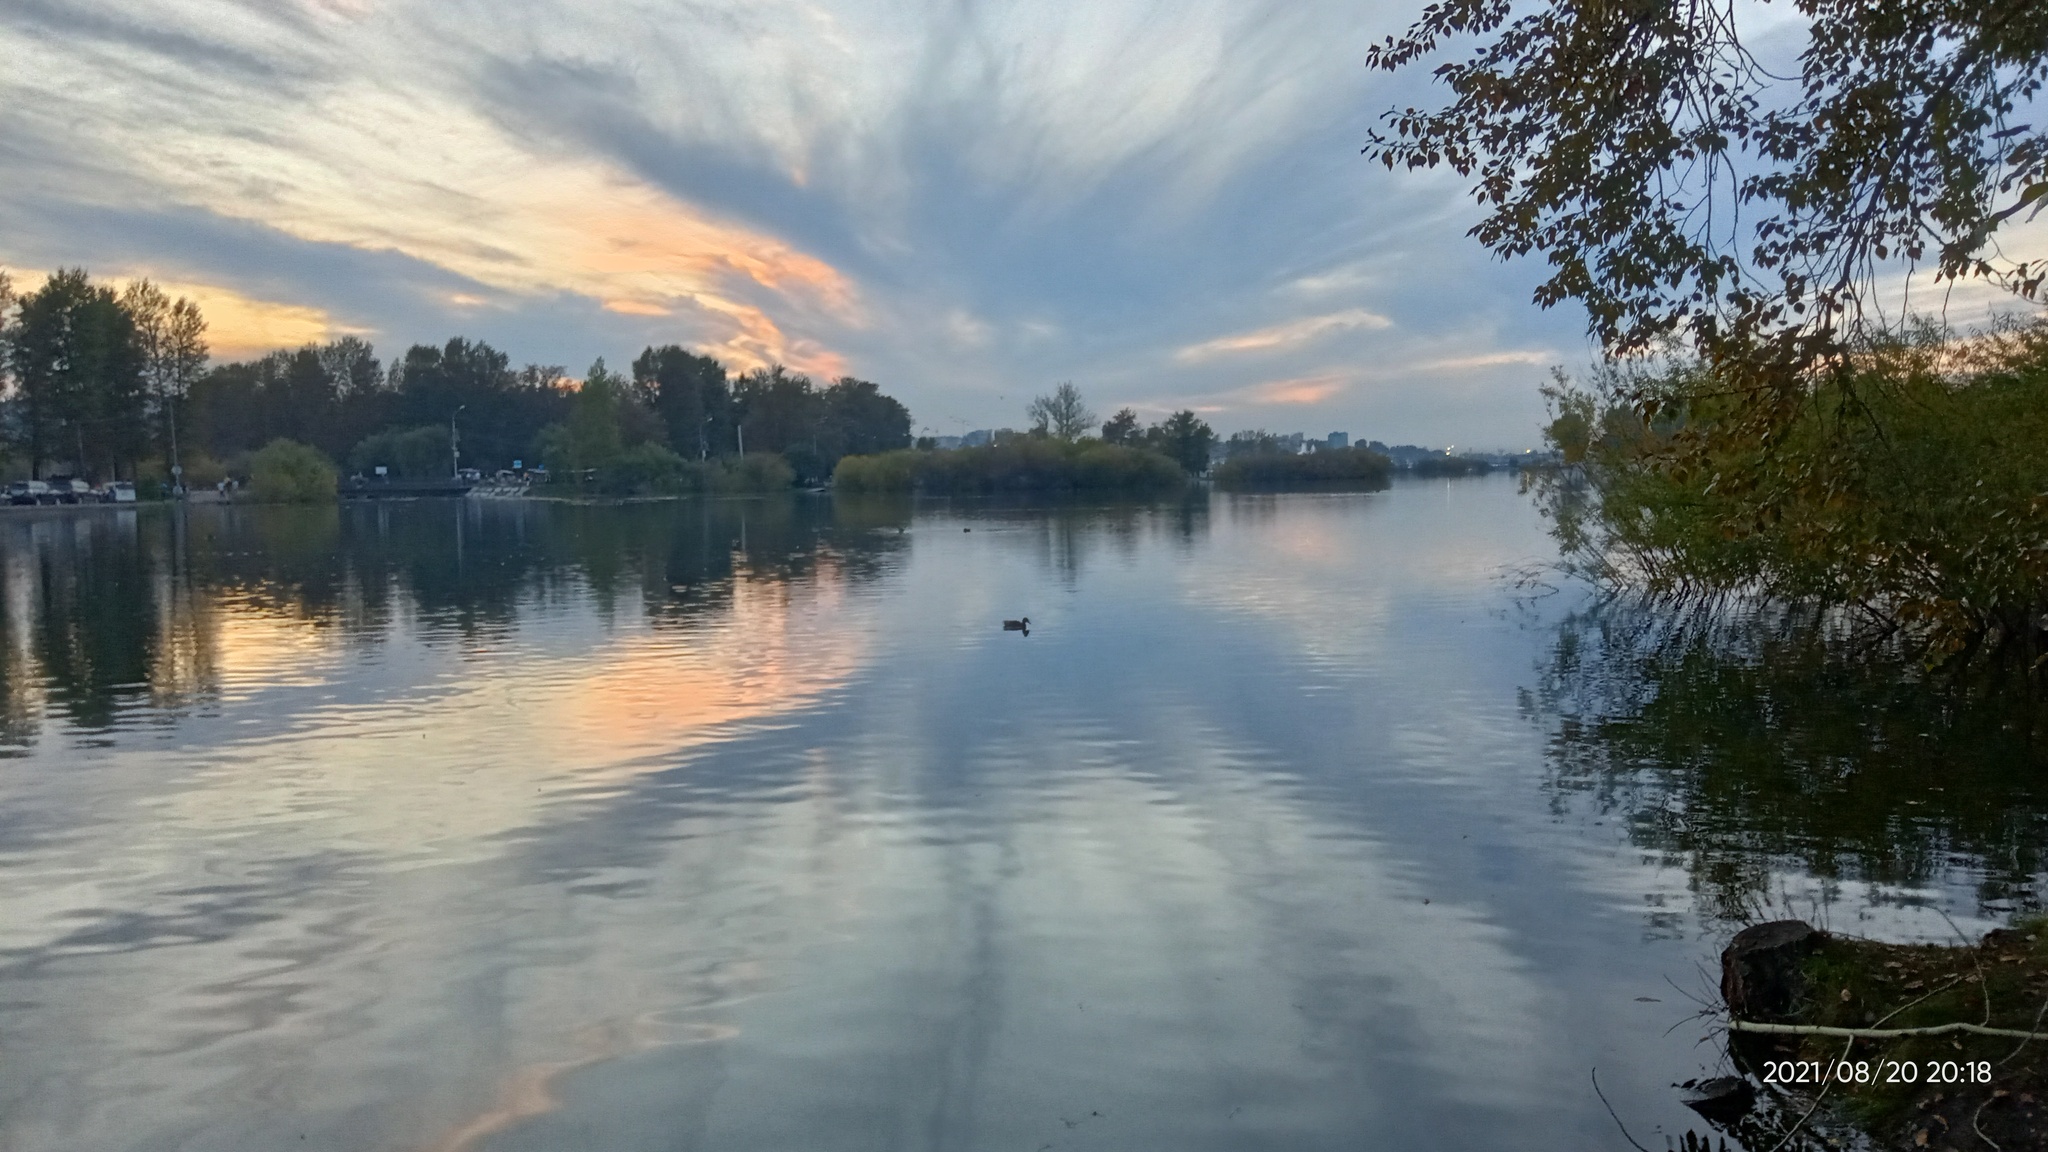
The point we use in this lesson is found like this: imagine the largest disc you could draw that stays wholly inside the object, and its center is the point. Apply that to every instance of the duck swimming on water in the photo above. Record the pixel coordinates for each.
(1023, 625)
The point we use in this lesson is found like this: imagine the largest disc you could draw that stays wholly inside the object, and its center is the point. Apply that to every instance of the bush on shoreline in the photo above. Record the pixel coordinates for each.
(1907, 493)
(1338, 466)
(652, 470)
(1021, 465)
(287, 472)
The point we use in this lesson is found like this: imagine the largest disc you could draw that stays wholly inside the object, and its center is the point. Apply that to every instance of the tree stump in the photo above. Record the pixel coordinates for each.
(1760, 977)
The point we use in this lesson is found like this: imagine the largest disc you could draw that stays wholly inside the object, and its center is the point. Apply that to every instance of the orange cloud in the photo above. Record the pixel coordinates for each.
(1282, 335)
(1302, 390)
(501, 213)
(238, 326)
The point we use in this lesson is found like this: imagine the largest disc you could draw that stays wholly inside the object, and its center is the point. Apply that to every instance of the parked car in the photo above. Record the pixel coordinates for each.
(70, 489)
(29, 492)
(118, 492)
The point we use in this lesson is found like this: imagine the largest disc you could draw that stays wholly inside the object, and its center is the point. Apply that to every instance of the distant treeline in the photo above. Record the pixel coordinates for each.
(1027, 464)
(1331, 466)
(1055, 455)
(116, 384)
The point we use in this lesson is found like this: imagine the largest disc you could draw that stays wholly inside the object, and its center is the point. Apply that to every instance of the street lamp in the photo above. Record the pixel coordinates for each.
(455, 443)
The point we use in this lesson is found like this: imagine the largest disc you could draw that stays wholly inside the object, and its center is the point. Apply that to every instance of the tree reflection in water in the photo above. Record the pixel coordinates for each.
(108, 615)
(1742, 747)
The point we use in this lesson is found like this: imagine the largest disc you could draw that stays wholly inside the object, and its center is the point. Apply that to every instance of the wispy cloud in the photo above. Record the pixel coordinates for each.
(1298, 391)
(967, 202)
(1488, 360)
(238, 326)
(1284, 335)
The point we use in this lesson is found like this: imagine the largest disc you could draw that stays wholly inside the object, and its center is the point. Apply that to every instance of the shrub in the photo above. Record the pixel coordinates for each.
(1910, 490)
(1336, 466)
(883, 472)
(645, 469)
(417, 453)
(287, 472)
(1028, 464)
(754, 472)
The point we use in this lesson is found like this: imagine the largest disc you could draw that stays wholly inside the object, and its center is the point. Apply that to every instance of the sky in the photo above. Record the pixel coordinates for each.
(968, 202)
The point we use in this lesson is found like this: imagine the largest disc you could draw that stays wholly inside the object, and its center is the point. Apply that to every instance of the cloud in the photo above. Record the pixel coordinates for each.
(967, 203)
(237, 326)
(1285, 335)
(1488, 360)
(1302, 390)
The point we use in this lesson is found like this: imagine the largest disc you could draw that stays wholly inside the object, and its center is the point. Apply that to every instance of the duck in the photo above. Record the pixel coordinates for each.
(1023, 625)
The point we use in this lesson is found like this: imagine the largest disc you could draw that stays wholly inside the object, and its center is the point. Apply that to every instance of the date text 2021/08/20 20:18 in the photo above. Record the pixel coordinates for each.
(1878, 1072)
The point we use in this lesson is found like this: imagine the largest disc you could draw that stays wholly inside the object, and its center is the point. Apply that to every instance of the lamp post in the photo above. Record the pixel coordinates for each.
(455, 443)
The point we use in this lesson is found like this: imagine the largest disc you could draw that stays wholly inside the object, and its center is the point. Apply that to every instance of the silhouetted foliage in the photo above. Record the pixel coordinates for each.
(691, 395)
(330, 396)
(1919, 508)
(502, 410)
(1358, 467)
(1633, 145)
(1121, 428)
(78, 378)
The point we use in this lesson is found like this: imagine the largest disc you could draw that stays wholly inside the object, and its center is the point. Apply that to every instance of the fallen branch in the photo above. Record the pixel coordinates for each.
(1878, 1033)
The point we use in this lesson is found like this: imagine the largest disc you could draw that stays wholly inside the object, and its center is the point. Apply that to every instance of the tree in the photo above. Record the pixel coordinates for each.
(860, 420)
(1251, 442)
(505, 409)
(1676, 189)
(593, 428)
(1062, 415)
(79, 375)
(1184, 438)
(351, 363)
(7, 301)
(777, 409)
(690, 394)
(1121, 428)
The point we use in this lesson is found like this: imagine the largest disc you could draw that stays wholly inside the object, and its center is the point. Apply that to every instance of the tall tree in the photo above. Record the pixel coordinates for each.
(1184, 437)
(859, 420)
(7, 302)
(777, 409)
(1121, 428)
(363, 403)
(690, 394)
(1062, 415)
(503, 410)
(79, 376)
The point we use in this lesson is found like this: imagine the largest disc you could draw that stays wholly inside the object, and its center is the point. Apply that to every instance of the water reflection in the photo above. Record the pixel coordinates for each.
(1749, 749)
(104, 614)
(743, 824)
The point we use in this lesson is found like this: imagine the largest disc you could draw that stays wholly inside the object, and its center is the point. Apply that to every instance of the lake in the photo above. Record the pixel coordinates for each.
(1293, 822)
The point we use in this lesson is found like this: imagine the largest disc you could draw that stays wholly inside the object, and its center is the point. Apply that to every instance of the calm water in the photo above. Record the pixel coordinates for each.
(1295, 822)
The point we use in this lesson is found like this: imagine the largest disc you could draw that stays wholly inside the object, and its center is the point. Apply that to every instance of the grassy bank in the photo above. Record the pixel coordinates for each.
(1948, 1090)
(1022, 465)
(1341, 467)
